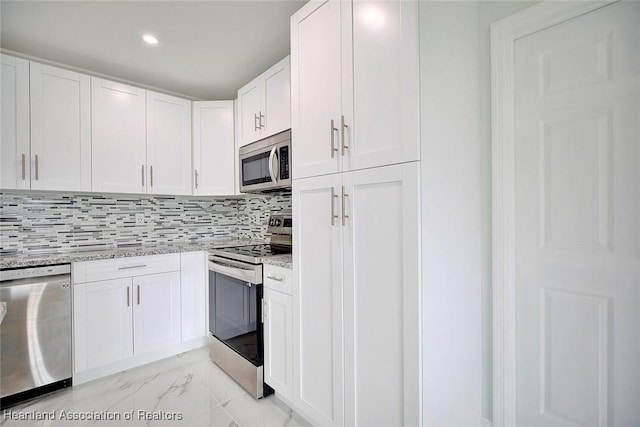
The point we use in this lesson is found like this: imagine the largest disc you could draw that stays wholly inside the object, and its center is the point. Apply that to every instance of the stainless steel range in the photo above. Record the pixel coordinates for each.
(235, 306)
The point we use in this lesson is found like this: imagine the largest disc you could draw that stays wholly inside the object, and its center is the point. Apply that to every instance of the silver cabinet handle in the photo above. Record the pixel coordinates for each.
(333, 203)
(277, 279)
(138, 294)
(342, 128)
(36, 167)
(344, 216)
(151, 175)
(261, 117)
(24, 166)
(255, 121)
(131, 267)
(143, 175)
(196, 179)
(128, 297)
(264, 310)
(333, 142)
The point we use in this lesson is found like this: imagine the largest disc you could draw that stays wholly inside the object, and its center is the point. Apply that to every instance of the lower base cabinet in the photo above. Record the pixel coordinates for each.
(278, 330)
(130, 309)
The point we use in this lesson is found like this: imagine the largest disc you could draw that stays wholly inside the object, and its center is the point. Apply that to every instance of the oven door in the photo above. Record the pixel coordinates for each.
(235, 307)
(265, 165)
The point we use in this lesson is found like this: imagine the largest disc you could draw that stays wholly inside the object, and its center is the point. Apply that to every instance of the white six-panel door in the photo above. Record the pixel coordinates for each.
(577, 177)
(60, 129)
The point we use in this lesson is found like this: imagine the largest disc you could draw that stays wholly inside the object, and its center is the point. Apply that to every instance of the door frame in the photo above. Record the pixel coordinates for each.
(504, 34)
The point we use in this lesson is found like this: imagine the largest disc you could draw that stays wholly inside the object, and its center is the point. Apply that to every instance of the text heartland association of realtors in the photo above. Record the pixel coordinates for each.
(63, 415)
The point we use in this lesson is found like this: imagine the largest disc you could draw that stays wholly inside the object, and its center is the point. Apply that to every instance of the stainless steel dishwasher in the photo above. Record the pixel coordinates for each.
(35, 332)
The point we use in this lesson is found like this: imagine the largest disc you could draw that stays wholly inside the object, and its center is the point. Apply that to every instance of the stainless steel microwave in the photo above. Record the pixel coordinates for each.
(265, 165)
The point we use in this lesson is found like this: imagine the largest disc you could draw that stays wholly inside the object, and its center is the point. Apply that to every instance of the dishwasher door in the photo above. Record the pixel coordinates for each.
(35, 331)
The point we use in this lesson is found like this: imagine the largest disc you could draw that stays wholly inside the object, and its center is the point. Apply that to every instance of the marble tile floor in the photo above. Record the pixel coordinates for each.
(187, 386)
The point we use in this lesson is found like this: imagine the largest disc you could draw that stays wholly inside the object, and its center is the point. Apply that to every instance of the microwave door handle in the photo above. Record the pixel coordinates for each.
(274, 178)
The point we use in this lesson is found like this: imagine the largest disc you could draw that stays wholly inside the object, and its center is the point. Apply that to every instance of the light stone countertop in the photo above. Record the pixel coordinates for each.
(282, 260)
(68, 256)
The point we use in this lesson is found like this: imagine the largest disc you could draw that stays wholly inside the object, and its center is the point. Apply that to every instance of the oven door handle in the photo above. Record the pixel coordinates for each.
(273, 175)
(251, 274)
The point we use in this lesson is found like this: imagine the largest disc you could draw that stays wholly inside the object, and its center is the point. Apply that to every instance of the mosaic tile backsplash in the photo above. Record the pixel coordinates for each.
(42, 222)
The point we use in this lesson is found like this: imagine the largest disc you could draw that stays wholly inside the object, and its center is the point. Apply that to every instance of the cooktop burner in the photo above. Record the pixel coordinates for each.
(252, 254)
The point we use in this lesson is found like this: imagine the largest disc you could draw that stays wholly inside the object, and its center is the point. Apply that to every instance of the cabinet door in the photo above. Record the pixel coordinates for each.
(168, 144)
(277, 98)
(118, 137)
(278, 345)
(381, 296)
(15, 167)
(319, 50)
(249, 110)
(60, 129)
(214, 154)
(385, 84)
(317, 299)
(156, 311)
(193, 294)
(102, 323)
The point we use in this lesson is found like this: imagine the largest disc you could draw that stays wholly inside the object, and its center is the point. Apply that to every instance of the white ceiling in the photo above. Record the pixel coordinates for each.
(207, 49)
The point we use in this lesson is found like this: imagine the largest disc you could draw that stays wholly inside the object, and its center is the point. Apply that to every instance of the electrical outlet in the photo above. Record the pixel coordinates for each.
(140, 219)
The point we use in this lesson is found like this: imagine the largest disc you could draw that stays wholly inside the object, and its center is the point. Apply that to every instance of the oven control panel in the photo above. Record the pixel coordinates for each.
(280, 223)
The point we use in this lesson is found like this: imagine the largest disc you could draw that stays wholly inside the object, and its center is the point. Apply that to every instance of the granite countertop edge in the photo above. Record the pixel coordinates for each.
(64, 257)
(282, 260)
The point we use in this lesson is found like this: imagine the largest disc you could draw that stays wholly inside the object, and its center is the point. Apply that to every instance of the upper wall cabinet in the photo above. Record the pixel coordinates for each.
(264, 104)
(214, 154)
(60, 129)
(355, 91)
(141, 140)
(168, 144)
(15, 154)
(118, 130)
(46, 136)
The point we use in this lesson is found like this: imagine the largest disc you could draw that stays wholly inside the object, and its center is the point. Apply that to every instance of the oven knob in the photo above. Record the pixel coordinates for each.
(277, 223)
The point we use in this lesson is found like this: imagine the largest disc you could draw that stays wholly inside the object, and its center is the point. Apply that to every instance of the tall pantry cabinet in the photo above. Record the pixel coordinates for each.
(355, 122)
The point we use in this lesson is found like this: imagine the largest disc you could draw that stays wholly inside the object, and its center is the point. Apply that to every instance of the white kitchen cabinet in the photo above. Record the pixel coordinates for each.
(278, 330)
(317, 300)
(356, 273)
(125, 310)
(321, 83)
(168, 144)
(214, 152)
(194, 280)
(355, 85)
(380, 210)
(60, 129)
(103, 323)
(15, 154)
(264, 104)
(118, 137)
(156, 312)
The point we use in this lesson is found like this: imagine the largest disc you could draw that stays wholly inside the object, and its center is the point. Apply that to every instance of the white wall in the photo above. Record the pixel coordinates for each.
(456, 208)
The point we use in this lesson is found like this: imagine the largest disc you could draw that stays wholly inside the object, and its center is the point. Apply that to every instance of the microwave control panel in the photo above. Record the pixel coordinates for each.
(284, 162)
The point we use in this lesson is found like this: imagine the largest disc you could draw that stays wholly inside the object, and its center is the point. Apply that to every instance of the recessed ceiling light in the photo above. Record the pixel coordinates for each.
(150, 39)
